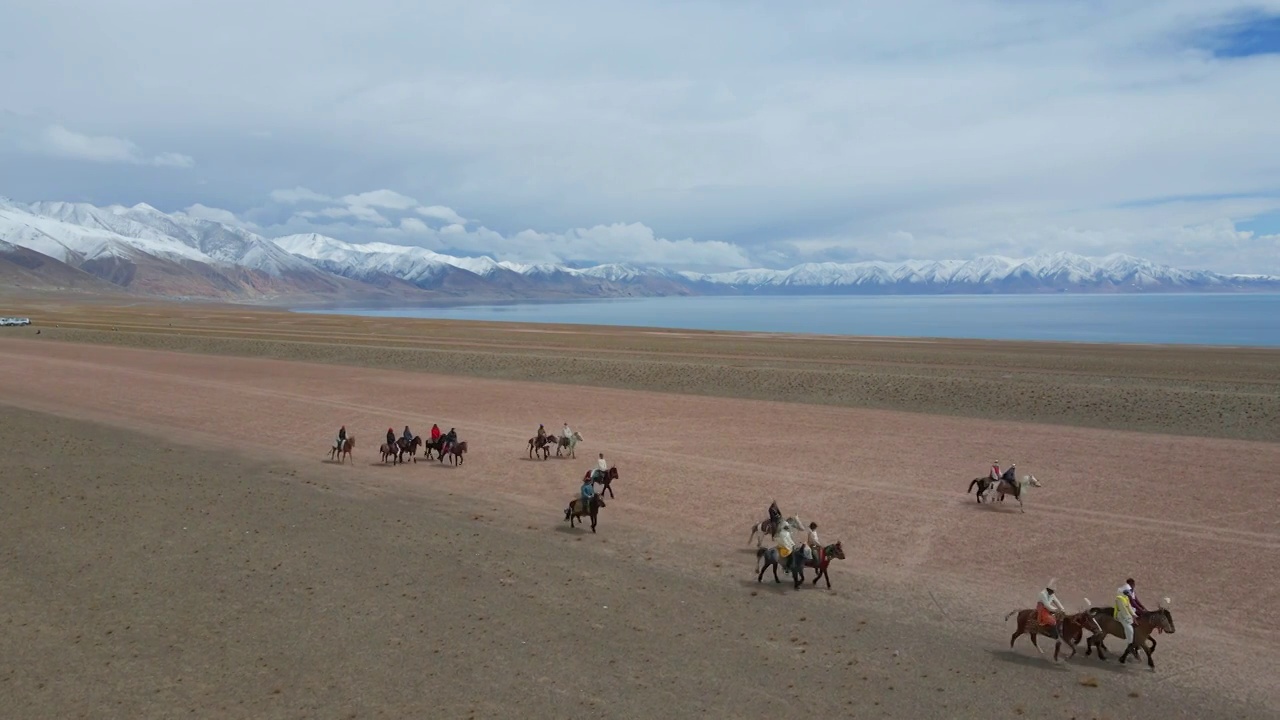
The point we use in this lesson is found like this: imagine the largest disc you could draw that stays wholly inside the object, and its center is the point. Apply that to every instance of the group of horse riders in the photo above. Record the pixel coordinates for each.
(808, 549)
(1126, 608)
(448, 438)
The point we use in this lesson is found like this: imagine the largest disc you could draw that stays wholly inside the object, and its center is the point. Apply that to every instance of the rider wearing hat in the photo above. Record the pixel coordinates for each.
(1046, 606)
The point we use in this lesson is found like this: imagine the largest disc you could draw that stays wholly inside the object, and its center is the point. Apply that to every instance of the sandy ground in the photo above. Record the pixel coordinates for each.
(328, 614)
(1209, 392)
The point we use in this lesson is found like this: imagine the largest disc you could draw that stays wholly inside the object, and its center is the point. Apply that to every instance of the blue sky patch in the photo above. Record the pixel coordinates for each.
(1257, 34)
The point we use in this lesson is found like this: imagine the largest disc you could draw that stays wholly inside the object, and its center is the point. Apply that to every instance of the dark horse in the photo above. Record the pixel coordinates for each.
(390, 451)
(575, 511)
(1073, 627)
(984, 485)
(606, 478)
(1146, 625)
(770, 557)
(455, 452)
(347, 446)
(409, 446)
(541, 445)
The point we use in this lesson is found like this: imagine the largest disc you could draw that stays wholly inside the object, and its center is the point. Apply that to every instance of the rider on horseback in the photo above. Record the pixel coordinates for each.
(812, 539)
(1139, 608)
(598, 472)
(435, 432)
(1011, 475)
(450, 438)
(342, 436)
(588, 491)
(391, 437)
(995, 471)
(1046, 606)
(408, 436)
(775, 516)
(542, 433)
(565, 432)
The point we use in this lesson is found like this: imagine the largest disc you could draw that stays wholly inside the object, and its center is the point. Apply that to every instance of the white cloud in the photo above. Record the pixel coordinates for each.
(298, 195)
(798, 132)
(441, 212)
(59, 141)
(388, 199)
(219, 215)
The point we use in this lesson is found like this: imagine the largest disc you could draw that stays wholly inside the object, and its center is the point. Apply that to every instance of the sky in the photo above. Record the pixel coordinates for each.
(692, 134)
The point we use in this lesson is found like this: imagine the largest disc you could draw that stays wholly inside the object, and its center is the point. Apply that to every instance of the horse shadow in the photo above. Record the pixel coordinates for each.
(769, 585)
(1014, 657)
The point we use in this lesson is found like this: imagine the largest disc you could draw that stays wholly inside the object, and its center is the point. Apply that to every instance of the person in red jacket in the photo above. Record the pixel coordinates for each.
(435, 433)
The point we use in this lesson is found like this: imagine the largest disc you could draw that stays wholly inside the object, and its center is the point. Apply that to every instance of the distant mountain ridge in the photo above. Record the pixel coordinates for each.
(142, 251)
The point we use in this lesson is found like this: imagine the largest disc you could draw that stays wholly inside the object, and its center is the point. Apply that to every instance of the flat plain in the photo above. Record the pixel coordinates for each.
(168, 473)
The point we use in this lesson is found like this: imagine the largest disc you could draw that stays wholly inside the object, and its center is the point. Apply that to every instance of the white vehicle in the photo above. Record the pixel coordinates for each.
(15, 321)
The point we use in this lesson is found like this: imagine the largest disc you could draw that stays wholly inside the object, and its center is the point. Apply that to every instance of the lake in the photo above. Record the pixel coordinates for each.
(1197, 319)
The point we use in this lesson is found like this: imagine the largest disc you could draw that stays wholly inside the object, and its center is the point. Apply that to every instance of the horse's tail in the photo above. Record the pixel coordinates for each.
(1011, 614)
(971, 484)
(760, 553)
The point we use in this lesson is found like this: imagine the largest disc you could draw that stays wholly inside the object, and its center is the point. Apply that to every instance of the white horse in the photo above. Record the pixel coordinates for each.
(573, 439)
(790, 523)
(1002, 488)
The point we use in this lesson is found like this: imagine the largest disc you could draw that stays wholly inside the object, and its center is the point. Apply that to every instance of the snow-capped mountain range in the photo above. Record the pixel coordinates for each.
(141, 250)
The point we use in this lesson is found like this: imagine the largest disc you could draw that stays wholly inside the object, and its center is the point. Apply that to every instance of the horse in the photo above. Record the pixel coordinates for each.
(568, 441)
(1073, 627)
(1005, 488)
(605, 479)
(410, 447)
(984, 484)
(542, 445)
(765, 528)
(455, 453)
(390, 451)
(345, 449)
(821, 562)
(771, 557)
(575, 511)
(1146, 624)
(431, 445)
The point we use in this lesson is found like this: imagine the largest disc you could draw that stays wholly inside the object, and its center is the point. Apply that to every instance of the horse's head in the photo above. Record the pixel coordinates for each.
(597, 501)
(1161, 618)
(836, 551)
(1088, 618)
(613, 473)
(462, 447)
(1030, 480)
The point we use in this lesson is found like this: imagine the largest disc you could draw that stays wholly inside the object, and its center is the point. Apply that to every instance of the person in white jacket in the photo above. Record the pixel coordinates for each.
(812, 540)
(1046, 604)
(601, 468)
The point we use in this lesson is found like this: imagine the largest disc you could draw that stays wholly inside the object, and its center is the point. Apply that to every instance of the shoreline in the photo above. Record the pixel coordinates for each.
(1205, 391)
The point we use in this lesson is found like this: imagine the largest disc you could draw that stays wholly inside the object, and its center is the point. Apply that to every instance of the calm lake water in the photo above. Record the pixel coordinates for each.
(1242, 319)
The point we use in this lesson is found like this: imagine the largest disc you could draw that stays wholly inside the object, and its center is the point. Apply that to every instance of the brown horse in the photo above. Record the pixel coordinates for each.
(1073, 627)
(455, 453)
(389, 451)
(823, 559)
(409, 447)
(541, 445)
(576, 512)
(983, 484)
(341, 452)
(604, 480)
(1146, 625)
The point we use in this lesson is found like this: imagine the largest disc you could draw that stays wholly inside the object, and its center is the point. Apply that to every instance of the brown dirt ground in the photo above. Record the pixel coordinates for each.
(1200, 391)
(930, 572)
